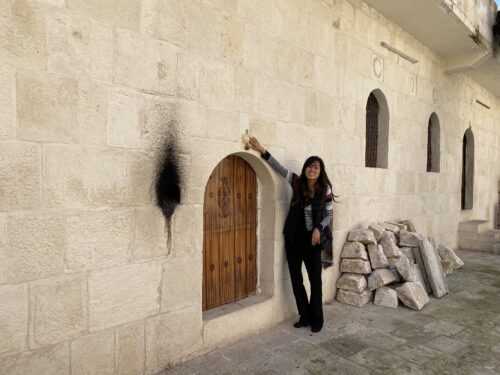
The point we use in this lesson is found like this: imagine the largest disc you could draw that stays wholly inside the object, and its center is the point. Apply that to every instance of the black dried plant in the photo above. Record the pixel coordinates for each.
(169, 178)
(168, 181)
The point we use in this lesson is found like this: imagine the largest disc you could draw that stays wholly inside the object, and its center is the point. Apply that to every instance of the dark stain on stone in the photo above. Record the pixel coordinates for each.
(169, 175)
(168, 179)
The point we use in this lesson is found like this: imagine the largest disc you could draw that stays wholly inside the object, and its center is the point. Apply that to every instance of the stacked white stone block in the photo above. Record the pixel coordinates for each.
(393, 262)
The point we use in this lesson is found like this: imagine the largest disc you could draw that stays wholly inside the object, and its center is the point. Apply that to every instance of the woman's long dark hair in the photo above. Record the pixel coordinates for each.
(301, 193)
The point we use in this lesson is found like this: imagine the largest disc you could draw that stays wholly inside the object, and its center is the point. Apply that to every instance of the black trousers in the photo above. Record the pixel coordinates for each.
(297, 251)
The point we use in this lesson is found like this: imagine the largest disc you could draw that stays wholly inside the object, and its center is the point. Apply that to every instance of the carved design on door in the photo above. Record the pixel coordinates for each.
(224, 197)
(229, 233)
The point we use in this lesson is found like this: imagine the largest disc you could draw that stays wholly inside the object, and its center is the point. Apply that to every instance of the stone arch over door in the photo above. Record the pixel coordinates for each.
(433, 144)
(377, 130)
(229, 233)
(468, 170)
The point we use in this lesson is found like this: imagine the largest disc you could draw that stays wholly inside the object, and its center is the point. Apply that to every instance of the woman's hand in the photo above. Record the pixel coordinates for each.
(315, 237)
(255, 145)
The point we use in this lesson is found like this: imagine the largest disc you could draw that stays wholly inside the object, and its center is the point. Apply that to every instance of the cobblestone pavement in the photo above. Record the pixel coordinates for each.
(458, 334)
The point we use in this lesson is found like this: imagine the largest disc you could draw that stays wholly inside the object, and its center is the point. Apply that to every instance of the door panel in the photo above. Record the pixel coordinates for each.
(225, 202)
(240, 229)
(229, 233)
(251, 215)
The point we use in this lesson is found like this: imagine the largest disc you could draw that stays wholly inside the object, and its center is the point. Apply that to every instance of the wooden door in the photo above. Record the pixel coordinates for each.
(229, 233)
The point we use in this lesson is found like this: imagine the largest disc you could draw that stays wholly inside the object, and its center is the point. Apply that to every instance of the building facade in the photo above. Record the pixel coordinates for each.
(94, 279)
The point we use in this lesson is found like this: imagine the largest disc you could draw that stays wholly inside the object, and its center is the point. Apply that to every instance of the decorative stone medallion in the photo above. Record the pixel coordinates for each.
(412, 84)
(435, 96)
(377, 67)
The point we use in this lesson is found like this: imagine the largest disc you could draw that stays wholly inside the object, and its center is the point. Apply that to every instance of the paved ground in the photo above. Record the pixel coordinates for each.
(458, 334)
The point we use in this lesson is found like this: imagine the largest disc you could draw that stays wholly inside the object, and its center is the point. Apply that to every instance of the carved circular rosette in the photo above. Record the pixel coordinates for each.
(378, 67)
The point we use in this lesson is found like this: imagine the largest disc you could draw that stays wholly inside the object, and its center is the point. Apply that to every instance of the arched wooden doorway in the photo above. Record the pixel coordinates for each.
(229, 233)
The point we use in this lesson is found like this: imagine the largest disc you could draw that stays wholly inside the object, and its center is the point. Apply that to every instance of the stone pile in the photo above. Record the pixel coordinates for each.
(390, 262)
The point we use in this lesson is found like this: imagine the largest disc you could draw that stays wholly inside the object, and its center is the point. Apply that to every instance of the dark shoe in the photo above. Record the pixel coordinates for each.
(301, 323)
(316, 329)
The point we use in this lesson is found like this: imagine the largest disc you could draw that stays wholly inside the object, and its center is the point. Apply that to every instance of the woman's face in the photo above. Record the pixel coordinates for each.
(312, 171)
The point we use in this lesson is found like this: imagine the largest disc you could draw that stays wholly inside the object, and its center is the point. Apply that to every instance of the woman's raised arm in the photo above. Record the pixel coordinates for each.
(275, 164)
(255, 145)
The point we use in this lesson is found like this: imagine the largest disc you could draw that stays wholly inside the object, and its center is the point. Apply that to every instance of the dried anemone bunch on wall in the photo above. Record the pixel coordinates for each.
(169, 178)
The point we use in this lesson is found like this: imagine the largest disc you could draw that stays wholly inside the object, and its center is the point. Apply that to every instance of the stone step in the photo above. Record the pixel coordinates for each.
(496, 249)
(486, 241)
(492, 235)
(474, 226)
(470, 244)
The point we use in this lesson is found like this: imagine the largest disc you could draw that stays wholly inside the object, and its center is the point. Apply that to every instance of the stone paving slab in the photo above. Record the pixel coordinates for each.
(446, 344)
(457, 334)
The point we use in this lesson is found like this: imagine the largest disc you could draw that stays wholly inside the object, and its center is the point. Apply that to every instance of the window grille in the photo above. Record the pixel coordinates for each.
(429, 146)
(372, 131)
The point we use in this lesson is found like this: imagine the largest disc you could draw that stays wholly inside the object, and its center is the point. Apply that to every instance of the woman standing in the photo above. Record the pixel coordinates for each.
(311, 210)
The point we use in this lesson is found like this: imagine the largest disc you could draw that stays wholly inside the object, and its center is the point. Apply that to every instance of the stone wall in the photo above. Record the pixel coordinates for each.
(87, 280)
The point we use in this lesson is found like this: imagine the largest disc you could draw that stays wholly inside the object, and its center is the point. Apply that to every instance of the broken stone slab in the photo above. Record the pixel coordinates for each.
(419, 271)
(377, 256)
(389, 246)
(354, 250)
(408, 252)
(449, 255)
(433, 268)
(396, 275)
(352, 298)
(386, 297)
(393, 262)
(381, 277)
(365, 236)
(405, 269)
(355, 266)
(419, 278)
(352, 282)
(413, 295)
(433, 242)
(447, 267)
(399, 225)
(410, 227)
(390, 227)
(377, 230)
(409, 238)
(386, 235)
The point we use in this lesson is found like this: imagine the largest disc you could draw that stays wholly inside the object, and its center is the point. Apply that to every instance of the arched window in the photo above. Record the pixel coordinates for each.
(433, 144)
(467, 170)
(377, 131)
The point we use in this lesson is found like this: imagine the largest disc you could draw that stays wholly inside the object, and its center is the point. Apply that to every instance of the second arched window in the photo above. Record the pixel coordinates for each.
(377, 131)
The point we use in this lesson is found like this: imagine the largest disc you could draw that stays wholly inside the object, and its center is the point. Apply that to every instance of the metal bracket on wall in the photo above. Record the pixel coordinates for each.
(398, 52)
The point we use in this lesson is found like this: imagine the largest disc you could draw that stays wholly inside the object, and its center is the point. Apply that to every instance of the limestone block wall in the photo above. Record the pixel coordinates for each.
(92, 88)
